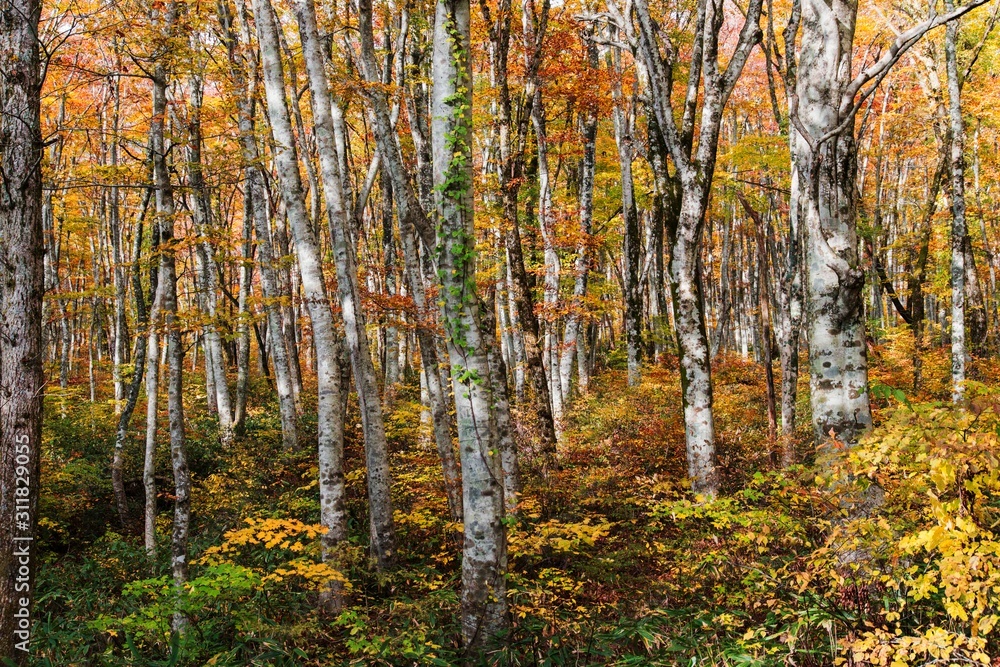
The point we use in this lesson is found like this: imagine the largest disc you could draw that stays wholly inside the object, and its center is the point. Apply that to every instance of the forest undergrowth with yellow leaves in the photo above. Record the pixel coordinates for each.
(612, 560)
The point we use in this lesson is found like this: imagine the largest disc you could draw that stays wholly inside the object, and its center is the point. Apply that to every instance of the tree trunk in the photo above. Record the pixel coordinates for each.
(22, 379)
(826, 175)
(632, 251)
(695, 169)
(205, 259)
(582, 265)
(550, 347)
(167, 297)
(498, 385)
(243, 315)
(139, 364)
(243, 68)
(330, 419)
(790, 324)
(376, 448)
(484, 555)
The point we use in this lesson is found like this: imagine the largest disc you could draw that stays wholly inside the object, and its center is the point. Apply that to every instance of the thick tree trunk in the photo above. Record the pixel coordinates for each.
(692, 341)
(826, 175)
(484, 554)
(22, 379)
(376, 448)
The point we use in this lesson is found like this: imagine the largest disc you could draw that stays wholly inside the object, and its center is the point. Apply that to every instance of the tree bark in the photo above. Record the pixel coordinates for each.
(243, 66)
(959, 229)
(139, 364)
(581, 266)
(205, 259)
(484, 554)
(695, 169)
(632, 245)
(22, 379)
(376, 448)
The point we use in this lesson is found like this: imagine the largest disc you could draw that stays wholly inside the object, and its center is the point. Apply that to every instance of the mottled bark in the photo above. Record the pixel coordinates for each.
(139, 365)
(695, 169)
(632, 251)
(484, 553)
(376, 448)
(330, 417)
(243, 66)
(581, 265)
(512, 141)
(550, 349)
(959, 229)
(501, 401)
(205, 261)
(22, 379)
(824, 99)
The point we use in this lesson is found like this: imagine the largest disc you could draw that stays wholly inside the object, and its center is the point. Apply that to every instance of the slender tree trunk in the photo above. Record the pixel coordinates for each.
(632, 250)
(205, 258)
(139, 365)
(330, 417)
(243, 68)
(167, 296)
(117, 257)
(959, 229)
(390, 368)
(790, 324)
(243, 315)
(695, 170)
(550, 348)
(484, 559)
(153, 385)
(436, 394)
(512, 139)
(505, 428)
(376, 448)
(582, 265)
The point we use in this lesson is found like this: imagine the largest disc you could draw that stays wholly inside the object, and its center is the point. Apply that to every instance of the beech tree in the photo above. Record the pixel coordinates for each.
(824, 99)
(694, 170)
(22, 378)
(484, 553)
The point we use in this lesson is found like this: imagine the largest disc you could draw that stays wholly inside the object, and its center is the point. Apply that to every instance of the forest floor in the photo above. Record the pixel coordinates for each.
(612, 560)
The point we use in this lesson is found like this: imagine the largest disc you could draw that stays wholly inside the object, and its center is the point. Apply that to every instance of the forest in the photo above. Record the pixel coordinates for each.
(506, 332)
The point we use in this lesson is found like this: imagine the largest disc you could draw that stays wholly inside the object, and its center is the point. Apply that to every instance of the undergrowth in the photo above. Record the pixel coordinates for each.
(612, 559)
